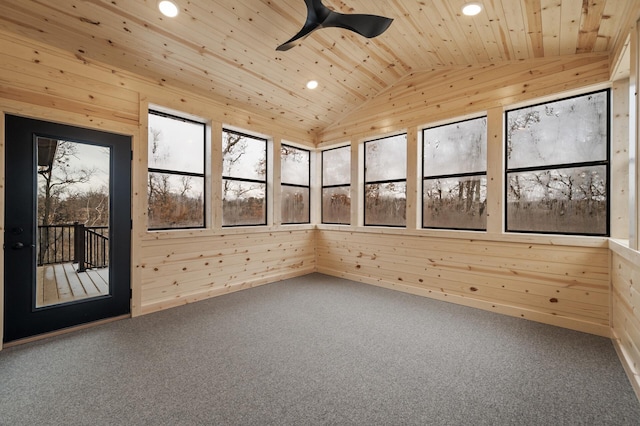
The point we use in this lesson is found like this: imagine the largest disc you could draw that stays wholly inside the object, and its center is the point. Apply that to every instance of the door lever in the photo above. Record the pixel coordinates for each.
(19, 246)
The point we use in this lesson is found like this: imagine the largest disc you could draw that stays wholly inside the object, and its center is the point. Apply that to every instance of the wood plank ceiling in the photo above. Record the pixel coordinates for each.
(225, 49)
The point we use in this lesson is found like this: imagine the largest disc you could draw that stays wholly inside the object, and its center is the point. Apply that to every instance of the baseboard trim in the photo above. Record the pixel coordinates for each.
(63, 331)
(199, 295)
(603, 330)
(627, 364)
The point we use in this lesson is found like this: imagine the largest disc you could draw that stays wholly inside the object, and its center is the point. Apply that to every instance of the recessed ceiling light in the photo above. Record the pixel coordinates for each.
(168, 8)
(312, 84)
(471, 9)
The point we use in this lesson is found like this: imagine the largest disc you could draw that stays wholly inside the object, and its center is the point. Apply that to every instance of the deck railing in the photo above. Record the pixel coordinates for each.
(88, 246)
(92, 247)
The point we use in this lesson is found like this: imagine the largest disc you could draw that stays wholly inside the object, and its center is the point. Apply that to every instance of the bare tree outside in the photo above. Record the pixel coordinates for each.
(244, 179)
(336, 178)
(175, 182)
(385, 187)
(58, 179)
(454, 169)
(557, 166)
(73, 188)
(295, 184)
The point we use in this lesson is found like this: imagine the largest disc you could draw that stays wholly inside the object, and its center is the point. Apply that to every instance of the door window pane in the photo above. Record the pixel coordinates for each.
(72, 238)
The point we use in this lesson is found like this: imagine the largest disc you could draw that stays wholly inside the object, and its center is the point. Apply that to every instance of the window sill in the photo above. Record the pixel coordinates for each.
(564, 240)
(235, 230)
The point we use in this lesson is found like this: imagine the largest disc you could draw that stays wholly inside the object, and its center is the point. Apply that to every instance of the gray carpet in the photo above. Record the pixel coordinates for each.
(317, 350)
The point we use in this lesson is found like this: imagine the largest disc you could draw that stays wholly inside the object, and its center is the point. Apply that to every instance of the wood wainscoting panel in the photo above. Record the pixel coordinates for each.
(562, 285)
(625, 299)
(176, 271)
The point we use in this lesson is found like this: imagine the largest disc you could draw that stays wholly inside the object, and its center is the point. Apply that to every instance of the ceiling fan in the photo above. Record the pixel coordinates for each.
(319, 16)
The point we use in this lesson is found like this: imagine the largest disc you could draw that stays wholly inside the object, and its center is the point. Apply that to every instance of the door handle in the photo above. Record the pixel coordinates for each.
(20, 246)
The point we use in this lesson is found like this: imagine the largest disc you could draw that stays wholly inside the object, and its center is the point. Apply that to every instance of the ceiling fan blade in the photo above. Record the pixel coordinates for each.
(368, 26)
(316, 14)
(319, 16)
(304, 32)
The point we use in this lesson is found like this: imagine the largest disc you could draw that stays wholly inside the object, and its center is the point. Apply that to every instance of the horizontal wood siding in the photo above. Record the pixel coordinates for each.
(175, 271)
(625, 324)
(428, 96)
(43, 82)
(560, 285)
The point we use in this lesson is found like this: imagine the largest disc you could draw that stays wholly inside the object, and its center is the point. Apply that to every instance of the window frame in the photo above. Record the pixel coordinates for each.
(202, 175)
(448, 176)
(323, 186)
(294, 185)
(559, 166)
(377, 182)
(247, 180)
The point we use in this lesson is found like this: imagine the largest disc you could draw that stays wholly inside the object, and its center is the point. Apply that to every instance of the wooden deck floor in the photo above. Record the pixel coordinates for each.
(63, 283)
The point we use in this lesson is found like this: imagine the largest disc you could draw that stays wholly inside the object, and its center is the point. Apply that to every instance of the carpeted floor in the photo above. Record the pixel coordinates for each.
(317, 350)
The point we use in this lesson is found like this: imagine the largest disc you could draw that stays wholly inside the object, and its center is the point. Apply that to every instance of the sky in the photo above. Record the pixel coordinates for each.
(386, 159)
(456, 148)
(336, 166)
(569, 131)
(180, 145)
(88, 158)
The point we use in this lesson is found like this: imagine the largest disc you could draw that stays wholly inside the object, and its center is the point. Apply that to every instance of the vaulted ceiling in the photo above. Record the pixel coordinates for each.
(225, 49)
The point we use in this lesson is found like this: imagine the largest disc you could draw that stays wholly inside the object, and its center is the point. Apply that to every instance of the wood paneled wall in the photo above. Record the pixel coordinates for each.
(561, 282)
(625, 321)
(43, 82)
(432, 95)
(619, 191)
(185, 268)
(168, 268)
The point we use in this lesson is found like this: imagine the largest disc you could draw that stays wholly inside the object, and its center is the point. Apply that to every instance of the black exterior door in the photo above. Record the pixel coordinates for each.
(67, 226)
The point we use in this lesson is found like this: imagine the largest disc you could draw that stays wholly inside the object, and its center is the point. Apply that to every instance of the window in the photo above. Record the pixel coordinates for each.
(336, 178)
(244, 179)
(385, 181)
(295, 178)
(557, 160)
(176, 184)
(454, 187)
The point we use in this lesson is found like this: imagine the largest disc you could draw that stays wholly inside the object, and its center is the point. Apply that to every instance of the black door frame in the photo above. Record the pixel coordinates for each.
(21, 318)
